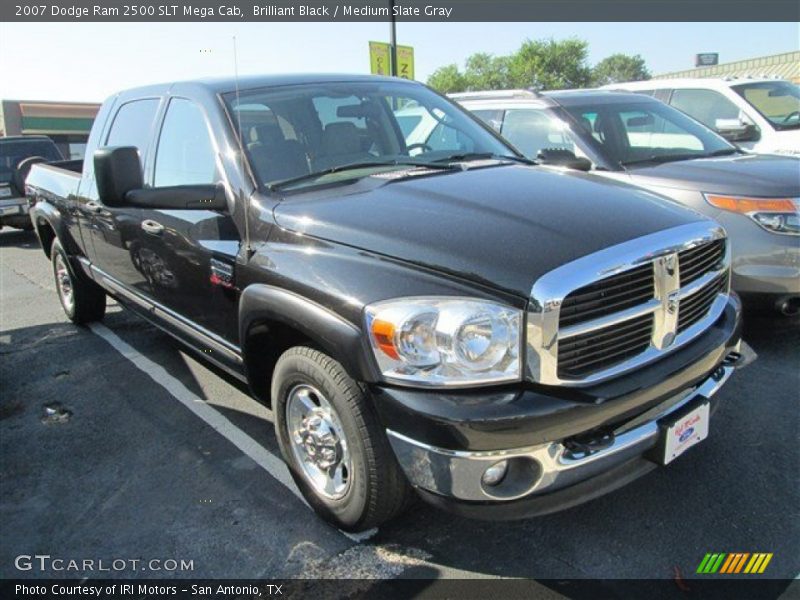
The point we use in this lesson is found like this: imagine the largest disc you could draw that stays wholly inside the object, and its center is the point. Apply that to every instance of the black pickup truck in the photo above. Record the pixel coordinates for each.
(439, 316)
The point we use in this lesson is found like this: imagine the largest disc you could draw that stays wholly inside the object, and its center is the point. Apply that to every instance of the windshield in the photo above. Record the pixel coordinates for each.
(297, 136)
(777, 101)
(628, 133)
(12, 152)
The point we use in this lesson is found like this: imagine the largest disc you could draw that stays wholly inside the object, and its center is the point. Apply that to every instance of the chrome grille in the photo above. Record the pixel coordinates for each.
(608, 296)
(696, 306)
(604, 347)
(609, 312)
(696, 262)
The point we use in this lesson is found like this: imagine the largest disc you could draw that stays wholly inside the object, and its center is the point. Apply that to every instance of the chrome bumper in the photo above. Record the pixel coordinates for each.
(13, 206)
(547, 467)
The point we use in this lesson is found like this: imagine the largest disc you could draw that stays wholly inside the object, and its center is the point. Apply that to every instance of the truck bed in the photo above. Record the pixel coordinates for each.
(57, 180)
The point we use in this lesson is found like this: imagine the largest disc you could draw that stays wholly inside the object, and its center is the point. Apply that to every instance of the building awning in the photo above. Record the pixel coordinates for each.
(52, 118)
(778, 66)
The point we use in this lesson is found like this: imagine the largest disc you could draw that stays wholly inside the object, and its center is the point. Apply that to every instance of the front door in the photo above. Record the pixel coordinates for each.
(187, 256)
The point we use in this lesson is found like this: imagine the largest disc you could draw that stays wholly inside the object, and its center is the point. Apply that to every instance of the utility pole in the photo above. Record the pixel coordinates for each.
(393, 39)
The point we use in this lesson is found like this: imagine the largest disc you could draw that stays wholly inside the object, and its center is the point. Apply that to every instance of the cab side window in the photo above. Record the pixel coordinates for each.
(705, 106)
(493, 118)
(133, 124)
(185, 153)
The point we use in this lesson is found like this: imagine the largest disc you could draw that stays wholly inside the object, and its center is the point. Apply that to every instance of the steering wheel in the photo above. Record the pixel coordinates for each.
(794, 113)
(418, 146)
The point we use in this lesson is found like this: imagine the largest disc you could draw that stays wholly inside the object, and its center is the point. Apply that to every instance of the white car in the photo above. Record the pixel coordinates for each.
(760, 115)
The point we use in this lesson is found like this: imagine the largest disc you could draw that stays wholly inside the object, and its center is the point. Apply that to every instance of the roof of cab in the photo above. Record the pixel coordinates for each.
(597, 97)
(221, 85)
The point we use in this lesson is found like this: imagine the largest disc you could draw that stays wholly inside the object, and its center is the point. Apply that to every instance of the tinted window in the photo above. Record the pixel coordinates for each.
(704, 105)
(634, 132)
(185, 153)
(133, 124)
(12, 152)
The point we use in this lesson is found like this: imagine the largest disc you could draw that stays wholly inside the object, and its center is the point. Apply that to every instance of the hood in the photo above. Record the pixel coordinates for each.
(741, 174)
(503, 226)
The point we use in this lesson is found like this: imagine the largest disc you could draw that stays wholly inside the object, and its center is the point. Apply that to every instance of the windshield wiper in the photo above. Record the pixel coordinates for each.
(663, 158)
(276, 185)
(485, 155)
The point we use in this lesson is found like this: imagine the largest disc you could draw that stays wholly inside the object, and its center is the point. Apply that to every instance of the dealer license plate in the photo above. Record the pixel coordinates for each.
(687, 430)
(5, 191)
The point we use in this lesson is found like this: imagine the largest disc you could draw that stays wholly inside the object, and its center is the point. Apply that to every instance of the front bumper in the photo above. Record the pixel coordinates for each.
(581, 443)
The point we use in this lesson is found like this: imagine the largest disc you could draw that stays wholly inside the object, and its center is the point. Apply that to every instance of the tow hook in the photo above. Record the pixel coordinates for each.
(741, 357)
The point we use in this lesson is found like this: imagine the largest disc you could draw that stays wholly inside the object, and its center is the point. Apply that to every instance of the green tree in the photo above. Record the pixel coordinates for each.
(447, 79)
(487, 72)
(619, 68)
(550, 64)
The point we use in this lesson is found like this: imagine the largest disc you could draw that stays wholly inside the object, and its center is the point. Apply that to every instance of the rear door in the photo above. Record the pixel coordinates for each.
(114, 230)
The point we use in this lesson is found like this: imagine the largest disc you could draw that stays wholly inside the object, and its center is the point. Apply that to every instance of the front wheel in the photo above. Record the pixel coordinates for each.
(331, 440)
(83, 300)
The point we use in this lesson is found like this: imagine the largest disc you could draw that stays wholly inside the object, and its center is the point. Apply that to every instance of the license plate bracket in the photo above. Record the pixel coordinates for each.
(681, 430)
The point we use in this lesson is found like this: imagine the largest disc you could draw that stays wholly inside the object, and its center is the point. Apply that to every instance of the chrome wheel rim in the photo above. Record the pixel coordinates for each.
(318, 441)
(64, 283)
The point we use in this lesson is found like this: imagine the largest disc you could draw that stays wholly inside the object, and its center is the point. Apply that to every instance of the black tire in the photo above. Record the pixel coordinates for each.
(377, 489)
(86, 301)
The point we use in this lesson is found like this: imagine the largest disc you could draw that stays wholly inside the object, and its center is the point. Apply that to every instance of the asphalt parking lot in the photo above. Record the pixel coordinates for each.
(131, 471)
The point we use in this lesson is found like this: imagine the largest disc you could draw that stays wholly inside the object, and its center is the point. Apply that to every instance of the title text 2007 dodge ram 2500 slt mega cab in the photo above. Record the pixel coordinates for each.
(440, 317)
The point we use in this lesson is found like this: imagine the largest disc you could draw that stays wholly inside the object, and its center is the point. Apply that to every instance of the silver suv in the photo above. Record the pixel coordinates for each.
(637, 139)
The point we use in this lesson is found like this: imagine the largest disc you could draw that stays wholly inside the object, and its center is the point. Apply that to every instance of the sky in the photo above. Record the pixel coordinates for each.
(90, 61)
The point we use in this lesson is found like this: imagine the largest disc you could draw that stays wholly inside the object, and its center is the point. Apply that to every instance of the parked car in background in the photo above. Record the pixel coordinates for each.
(637, 139)
(760, 115)
(434, 315)
(17, 154)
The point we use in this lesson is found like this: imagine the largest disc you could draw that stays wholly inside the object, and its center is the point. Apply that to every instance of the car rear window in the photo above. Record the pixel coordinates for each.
(13, 152)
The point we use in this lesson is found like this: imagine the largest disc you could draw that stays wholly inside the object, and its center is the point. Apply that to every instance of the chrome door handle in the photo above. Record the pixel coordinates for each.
(94, 207)
(152, 227)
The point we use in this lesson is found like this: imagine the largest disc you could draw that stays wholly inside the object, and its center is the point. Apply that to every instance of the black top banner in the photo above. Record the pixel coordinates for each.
(401, 10)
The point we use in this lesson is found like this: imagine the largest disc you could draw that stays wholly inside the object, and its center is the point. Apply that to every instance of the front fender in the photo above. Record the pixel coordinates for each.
(334, 335)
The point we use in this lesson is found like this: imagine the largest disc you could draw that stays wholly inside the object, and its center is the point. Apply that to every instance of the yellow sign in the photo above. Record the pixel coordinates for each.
(405, 62)
(380, 60)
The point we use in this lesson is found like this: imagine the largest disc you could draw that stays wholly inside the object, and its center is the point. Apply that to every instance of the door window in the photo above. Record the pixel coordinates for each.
(493, 118)
(704, 105)
(133, 124)
(185, 152)
(533, 130)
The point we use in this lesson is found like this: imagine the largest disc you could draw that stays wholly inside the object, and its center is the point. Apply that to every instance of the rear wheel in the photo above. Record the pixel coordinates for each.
(331, 440)
(83, 300)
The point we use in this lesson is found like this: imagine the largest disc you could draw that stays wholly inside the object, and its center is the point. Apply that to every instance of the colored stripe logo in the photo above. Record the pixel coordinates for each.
(735, 562)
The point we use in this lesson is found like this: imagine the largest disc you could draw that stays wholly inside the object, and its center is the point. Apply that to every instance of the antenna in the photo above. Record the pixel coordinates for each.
(247, 247)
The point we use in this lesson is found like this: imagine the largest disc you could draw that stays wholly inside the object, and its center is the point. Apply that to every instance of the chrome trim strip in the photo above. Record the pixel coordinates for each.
(189, 328)
(661, 249)
(458, 473)
(609, 320)
(698, 284)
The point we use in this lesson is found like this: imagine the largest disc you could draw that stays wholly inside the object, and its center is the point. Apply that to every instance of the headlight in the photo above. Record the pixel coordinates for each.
(445, 341)
(778, 215)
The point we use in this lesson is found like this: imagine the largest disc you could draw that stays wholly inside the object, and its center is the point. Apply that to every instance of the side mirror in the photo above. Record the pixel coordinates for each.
(179, 197)
(561, 157)
(117, 171)
(736, 130)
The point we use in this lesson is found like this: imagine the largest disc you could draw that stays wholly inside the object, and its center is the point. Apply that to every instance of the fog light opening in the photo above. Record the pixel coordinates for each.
(495, 474)
(510, 478)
